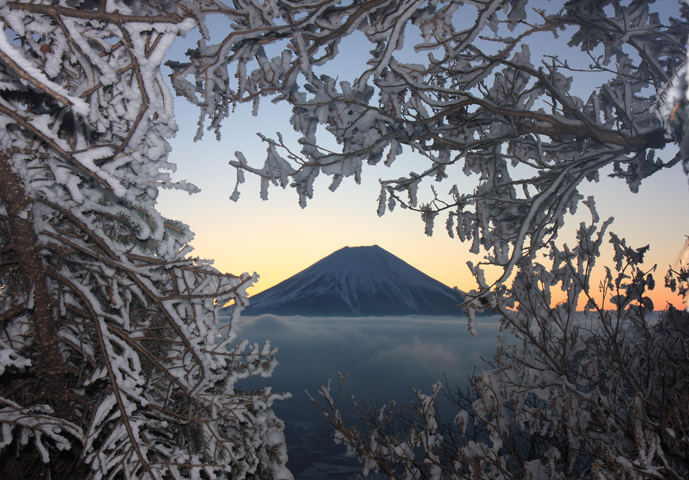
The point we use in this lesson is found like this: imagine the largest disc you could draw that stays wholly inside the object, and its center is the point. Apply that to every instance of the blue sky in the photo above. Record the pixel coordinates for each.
(278, 239)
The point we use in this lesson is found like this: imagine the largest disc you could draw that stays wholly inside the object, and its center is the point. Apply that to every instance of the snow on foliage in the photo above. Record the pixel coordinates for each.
(483, 99)
(605, 398)
(108, 361)
(599, 396)
(107, 327)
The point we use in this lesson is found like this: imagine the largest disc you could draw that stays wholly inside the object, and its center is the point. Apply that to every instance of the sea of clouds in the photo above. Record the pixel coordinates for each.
(385, 357)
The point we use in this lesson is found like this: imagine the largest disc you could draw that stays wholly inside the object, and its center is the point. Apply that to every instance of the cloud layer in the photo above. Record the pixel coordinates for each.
(384, 357)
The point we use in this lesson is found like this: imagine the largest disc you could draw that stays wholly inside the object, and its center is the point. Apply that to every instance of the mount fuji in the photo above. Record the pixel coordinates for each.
(357, 282)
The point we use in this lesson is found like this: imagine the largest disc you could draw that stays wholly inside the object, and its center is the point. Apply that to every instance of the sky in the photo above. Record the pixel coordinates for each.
(277, 239)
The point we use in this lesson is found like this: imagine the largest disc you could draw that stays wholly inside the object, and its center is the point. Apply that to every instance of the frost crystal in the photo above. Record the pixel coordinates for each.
(107, 346)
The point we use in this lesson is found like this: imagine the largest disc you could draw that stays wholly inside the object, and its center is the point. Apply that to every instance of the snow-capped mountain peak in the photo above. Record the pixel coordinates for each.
(357, 281)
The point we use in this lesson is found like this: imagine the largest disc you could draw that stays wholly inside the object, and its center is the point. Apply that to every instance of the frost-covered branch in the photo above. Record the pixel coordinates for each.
(481, 100)
(568, 394)
(108, 328)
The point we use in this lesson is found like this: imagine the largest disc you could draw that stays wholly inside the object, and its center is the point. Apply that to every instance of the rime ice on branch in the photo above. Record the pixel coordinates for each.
(566, 396)
(482, 99)
(108, 361)
(569, 400)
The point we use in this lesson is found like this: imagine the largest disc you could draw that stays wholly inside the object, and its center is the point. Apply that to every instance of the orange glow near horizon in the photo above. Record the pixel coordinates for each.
(277, 239)
(276, 259)
(660, 296)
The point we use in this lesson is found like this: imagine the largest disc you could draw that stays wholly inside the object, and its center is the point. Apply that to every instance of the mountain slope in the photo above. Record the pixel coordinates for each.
(357, 281)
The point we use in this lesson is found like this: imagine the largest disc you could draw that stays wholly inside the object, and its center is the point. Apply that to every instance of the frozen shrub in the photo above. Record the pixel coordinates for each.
(601, 395)
(108, 361)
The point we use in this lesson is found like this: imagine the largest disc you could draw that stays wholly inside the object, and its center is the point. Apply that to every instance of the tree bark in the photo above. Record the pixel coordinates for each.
(52, 371)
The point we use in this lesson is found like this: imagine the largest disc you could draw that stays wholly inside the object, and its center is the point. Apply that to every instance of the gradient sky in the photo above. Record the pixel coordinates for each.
(277, 239)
